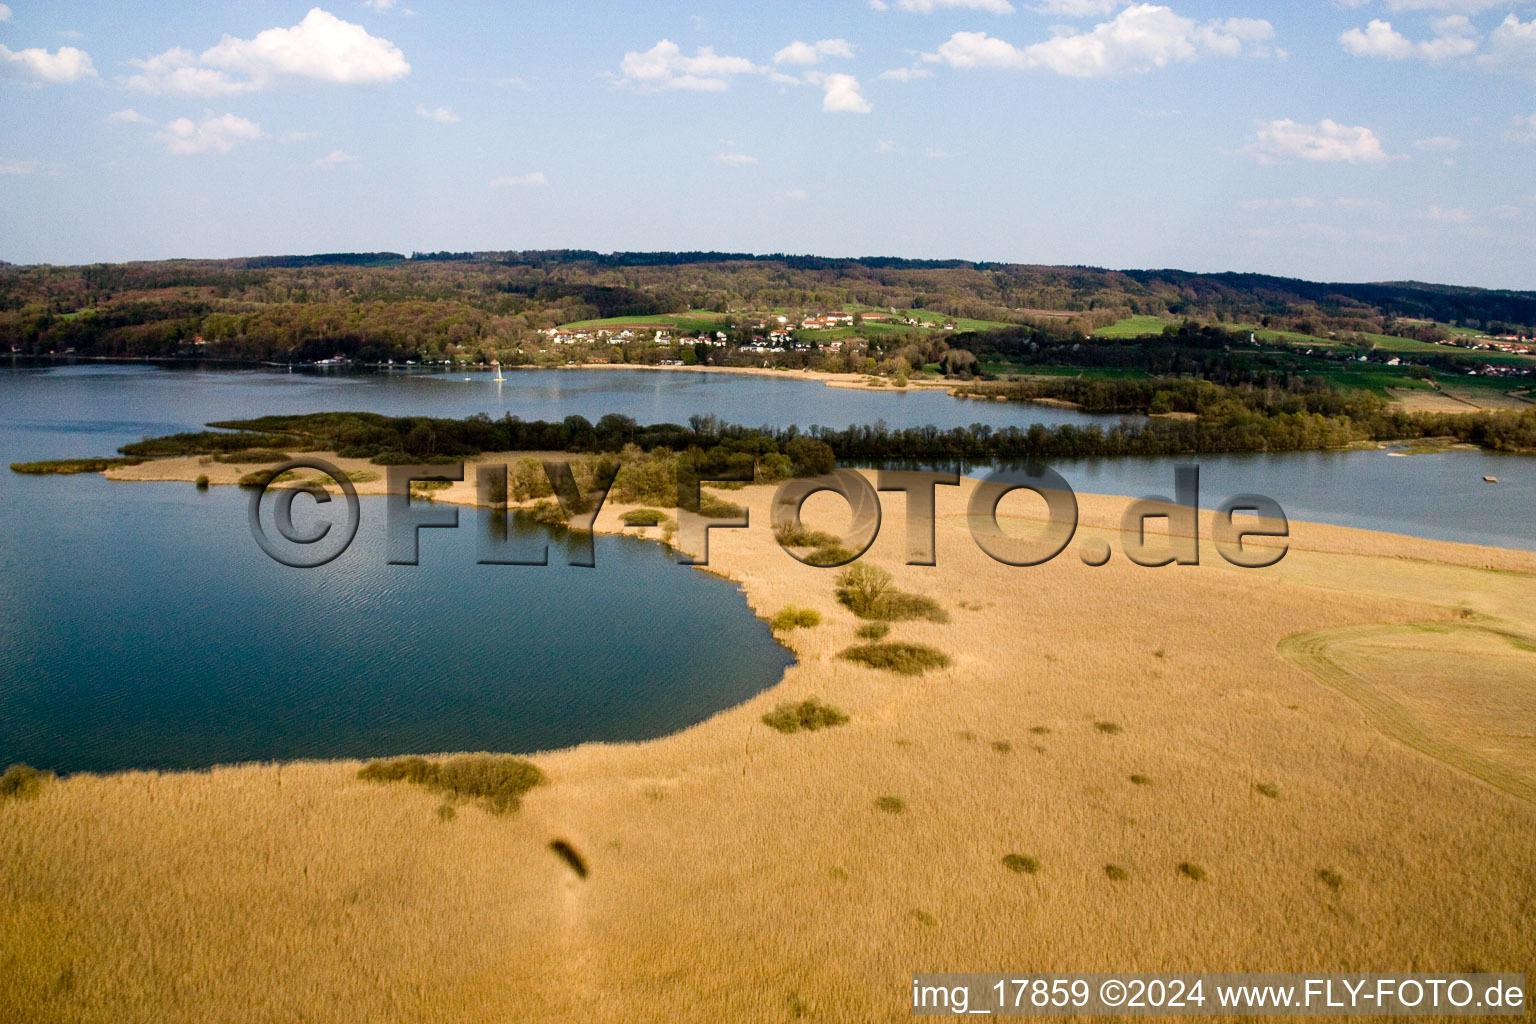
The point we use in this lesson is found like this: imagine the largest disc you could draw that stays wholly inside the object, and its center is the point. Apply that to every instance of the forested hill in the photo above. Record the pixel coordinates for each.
(495, 304)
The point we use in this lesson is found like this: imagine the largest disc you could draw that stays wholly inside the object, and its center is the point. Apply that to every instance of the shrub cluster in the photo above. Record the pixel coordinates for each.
(806, 716)
(500, 780)
(903, 659)
(22, 781)
(791, 617)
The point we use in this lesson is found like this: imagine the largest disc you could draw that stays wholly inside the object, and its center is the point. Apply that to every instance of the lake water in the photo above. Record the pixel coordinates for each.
(140, 626)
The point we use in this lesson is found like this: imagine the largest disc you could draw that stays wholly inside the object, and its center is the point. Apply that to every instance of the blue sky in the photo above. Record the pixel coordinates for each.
(1350, 140)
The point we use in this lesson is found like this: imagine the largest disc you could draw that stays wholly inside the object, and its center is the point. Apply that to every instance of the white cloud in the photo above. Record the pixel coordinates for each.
(842, 95)
(1138, 39)
(186, 137)
(1523, 131)
(442, 115)
(322, 48)
(335, 158)
(929, 6)
(129, 116)
(1444, 215)
(906, 74)
(811, 53)
(292, 137)
(795, 193)
(1512, 48)
(17, 166)
(1457, 6)
(663, 66)
(735, 159)
(1076, 8)
(63, 66)
(535, 178)
(5, 13)
(1293, 203)
(1438, 144)
(885, 146)
(1324, 142)
(1454, 37)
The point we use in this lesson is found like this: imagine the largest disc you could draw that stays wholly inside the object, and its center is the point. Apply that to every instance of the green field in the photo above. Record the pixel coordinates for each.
(1133, 327)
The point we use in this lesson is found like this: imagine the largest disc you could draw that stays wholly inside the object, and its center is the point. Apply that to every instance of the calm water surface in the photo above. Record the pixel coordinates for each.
(141, 627)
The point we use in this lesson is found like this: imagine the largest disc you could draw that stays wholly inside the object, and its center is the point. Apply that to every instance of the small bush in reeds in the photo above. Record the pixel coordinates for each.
(829, 555)
(870, 593)
(644, 517)
(903, 659)
(873, 631)
(711, 507)
(202, 481)
(1022, 864)
(791, 617)
(799, 537)
(808, 715)
(1116, 873)
(22, 781)
(264, 478)
(1193, 872)
(500, 780)
(891, 805)
(1331, 878)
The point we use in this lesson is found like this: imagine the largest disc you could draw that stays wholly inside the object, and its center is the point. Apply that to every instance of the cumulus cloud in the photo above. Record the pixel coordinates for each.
(1512, 48)
(735, 159)
(1523, 131)
(335, 158)
(812, 53)
(512, 181)
(929, 6)
(795, 193)
(321, 48)
(8, 166)
(5, 13)
(906, 74)
(1454, 37)
(1325, 142)
(63, 66)
(186, 137)
(1138, 39)
(1447, 215)
(442, 115)
(1455, 6)
(664, 66)
(1292, 203)
(1076, 8)
(842, 96)
(129, 116)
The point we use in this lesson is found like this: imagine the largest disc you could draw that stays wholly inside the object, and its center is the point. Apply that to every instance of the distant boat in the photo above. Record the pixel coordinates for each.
(1490, 479)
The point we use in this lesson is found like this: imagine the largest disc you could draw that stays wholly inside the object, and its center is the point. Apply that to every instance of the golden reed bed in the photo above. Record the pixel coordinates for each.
(738, 874)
